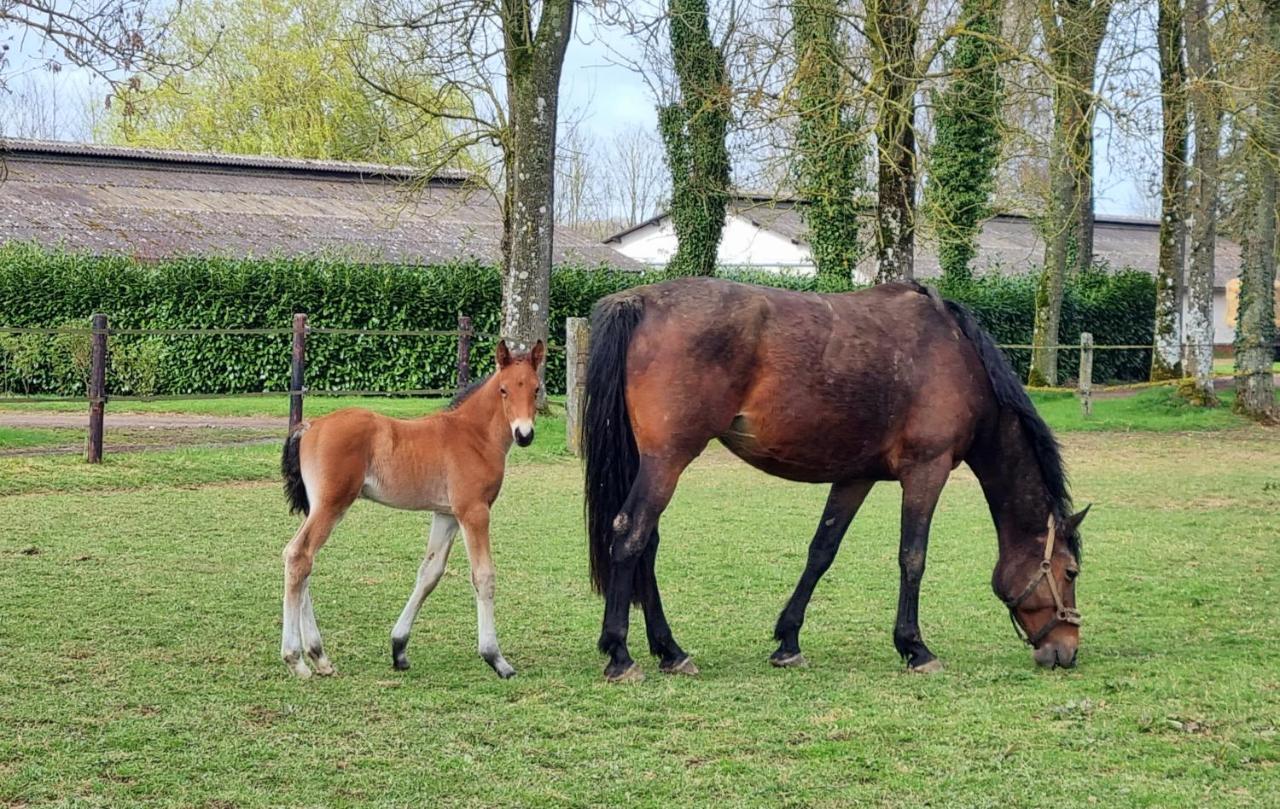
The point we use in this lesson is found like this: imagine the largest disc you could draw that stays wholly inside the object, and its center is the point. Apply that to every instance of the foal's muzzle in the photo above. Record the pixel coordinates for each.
(522, 436)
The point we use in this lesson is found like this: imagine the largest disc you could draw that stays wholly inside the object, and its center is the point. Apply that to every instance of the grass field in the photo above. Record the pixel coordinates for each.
(139, 633)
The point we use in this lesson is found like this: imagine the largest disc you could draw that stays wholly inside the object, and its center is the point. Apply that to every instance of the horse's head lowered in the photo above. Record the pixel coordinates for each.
(1040, 591)
(519, 384)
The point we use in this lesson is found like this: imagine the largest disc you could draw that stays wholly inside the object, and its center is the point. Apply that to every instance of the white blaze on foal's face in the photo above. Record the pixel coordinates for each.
(519, 385)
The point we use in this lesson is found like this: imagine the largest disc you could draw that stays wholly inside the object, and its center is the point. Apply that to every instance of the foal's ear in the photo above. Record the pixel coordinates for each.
(1073, 522)
(504, 354)
(538, 354)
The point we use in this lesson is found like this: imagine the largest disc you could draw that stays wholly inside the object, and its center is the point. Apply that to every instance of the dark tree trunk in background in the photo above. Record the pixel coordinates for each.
(892, 29)
(693, 131)
(967, 145)
(534, 58)
(1255, 317)
(1073, 31)
(1166, 359)
(1206, 116)
(829, 144)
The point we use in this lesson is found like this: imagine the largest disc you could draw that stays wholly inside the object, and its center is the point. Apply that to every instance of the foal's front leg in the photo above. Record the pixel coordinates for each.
(475, 525)
(443, 528)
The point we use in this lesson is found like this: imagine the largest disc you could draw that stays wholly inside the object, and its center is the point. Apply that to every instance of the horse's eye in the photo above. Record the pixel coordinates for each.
(1072, 573)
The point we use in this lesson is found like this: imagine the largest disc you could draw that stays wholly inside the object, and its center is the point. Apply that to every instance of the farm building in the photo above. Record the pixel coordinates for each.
(153, 204)
(769, 233)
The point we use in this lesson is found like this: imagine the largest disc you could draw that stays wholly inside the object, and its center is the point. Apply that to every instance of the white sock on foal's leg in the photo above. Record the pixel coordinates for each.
(443, 529)
(311, 640)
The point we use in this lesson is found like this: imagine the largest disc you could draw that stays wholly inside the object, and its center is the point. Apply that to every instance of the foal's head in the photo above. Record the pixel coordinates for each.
(519, 384)
(1037, 582)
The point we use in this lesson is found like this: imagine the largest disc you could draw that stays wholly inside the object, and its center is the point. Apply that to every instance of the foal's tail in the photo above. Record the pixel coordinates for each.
(291, 469)
(610, 445)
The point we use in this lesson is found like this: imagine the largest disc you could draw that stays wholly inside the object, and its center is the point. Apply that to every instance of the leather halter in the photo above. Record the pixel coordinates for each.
(1062, 614)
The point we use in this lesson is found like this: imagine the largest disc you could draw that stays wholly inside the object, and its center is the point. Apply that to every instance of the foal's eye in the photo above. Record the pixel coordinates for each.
(503, 391)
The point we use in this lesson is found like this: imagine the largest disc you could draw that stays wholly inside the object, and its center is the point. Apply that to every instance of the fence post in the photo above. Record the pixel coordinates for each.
(577, 342)
(464, 351)
(97, 386)
(1086, 373)
(298, 366)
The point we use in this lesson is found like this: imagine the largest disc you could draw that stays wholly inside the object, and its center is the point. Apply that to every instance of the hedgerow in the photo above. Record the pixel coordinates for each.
(57, 289)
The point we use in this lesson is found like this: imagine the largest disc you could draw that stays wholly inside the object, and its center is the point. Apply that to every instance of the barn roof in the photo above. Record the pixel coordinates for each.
(155, 204)
(1009, 243)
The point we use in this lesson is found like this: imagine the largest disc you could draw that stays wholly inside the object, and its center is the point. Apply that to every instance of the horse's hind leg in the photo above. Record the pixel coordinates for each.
(662, 644)
(443, 529)
(633, 531)
(842, 505)
(299, 556)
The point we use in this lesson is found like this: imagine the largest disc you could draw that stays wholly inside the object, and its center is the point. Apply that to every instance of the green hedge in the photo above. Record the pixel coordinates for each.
(39, 288)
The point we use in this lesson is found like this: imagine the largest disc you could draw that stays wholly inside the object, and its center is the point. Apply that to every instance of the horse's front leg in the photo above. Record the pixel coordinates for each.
(921, 486)
(475, 525)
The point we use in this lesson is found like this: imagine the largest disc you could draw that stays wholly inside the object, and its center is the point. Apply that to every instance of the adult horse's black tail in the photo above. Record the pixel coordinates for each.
(610, 445)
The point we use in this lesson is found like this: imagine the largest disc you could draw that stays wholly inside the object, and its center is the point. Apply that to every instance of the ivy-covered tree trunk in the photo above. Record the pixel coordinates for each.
(1255, 315)
(693, 131)
(1073, 32)
(967, 144)
(1166, 359)
(1206, 116)
(829, 144)
(892, 28)
(533, 63)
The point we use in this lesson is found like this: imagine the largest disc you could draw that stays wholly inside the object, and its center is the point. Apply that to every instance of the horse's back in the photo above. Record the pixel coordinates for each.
(803, 385)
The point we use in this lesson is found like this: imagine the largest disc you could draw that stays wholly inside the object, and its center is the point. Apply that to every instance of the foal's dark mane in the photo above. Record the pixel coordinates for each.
(466, 393)
(1013, 398)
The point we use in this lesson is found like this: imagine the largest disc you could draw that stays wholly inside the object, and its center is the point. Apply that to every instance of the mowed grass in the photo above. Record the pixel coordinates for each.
(139, 635)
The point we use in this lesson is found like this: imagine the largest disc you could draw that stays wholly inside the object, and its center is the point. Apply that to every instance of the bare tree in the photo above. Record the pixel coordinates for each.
(637, 182)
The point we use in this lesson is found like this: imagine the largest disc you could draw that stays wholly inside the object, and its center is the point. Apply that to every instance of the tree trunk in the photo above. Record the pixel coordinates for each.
(829, 145)
(1073, 34)
(1166, 359)
(533, 64)
(693, 131)
(1197, 316)
(1255, 318)
(892, 29)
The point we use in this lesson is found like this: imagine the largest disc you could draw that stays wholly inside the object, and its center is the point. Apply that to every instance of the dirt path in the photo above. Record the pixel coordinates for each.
(146, 421)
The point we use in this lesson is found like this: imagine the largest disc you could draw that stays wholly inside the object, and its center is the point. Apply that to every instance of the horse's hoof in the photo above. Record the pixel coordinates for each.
(400, 663)
(631, 674)
(930, 667)
(324, 668)
(790, 661)
(503, 669)
(299, 669)
(682, 666)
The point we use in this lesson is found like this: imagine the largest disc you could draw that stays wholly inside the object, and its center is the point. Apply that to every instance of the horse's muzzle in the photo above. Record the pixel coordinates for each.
(522, 438)
(1055, 655)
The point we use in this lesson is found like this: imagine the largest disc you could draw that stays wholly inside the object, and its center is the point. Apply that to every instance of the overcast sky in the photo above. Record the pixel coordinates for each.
(604, 97)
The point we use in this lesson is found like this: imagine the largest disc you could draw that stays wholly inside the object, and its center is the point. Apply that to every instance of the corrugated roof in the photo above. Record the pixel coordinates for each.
(154, 204)
(1009, 243)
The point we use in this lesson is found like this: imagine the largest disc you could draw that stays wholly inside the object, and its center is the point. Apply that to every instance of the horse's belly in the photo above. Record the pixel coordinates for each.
(808, 456)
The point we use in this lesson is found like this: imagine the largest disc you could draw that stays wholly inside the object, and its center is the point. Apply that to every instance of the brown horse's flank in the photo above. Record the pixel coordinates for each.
(891, 383)
(450, 463)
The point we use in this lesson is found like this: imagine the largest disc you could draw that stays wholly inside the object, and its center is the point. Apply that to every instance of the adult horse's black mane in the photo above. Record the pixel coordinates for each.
(1013, 397)
(466, 393)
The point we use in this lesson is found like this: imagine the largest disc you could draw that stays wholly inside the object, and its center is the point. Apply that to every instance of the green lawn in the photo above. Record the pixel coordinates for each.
(139, 638)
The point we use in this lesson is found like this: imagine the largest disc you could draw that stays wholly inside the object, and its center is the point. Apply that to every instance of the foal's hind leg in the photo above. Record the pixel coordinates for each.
(443, 529)
(299, 555)
(311, 640)
(662, 644)
(842, 504)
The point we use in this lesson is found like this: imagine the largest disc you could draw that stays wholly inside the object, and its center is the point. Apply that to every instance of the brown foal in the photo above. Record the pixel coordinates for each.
(450, 463)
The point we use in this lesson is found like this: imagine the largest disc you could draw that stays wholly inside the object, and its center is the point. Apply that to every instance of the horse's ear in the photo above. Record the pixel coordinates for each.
(1073, 522)
(538, 354)
(504, 354)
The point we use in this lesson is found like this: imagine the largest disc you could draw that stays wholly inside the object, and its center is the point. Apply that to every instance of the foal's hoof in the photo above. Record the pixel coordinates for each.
(297, 668)
(928, 667)
(788, 661)
(631, 674)
(682, 666)
(324, 668)
(502, 668)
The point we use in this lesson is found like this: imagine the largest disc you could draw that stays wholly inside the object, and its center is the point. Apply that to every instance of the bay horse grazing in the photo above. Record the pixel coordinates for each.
(889, 383)
(450, 463)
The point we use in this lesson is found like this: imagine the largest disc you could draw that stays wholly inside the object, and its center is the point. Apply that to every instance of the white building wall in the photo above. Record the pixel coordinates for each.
(742, 244)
